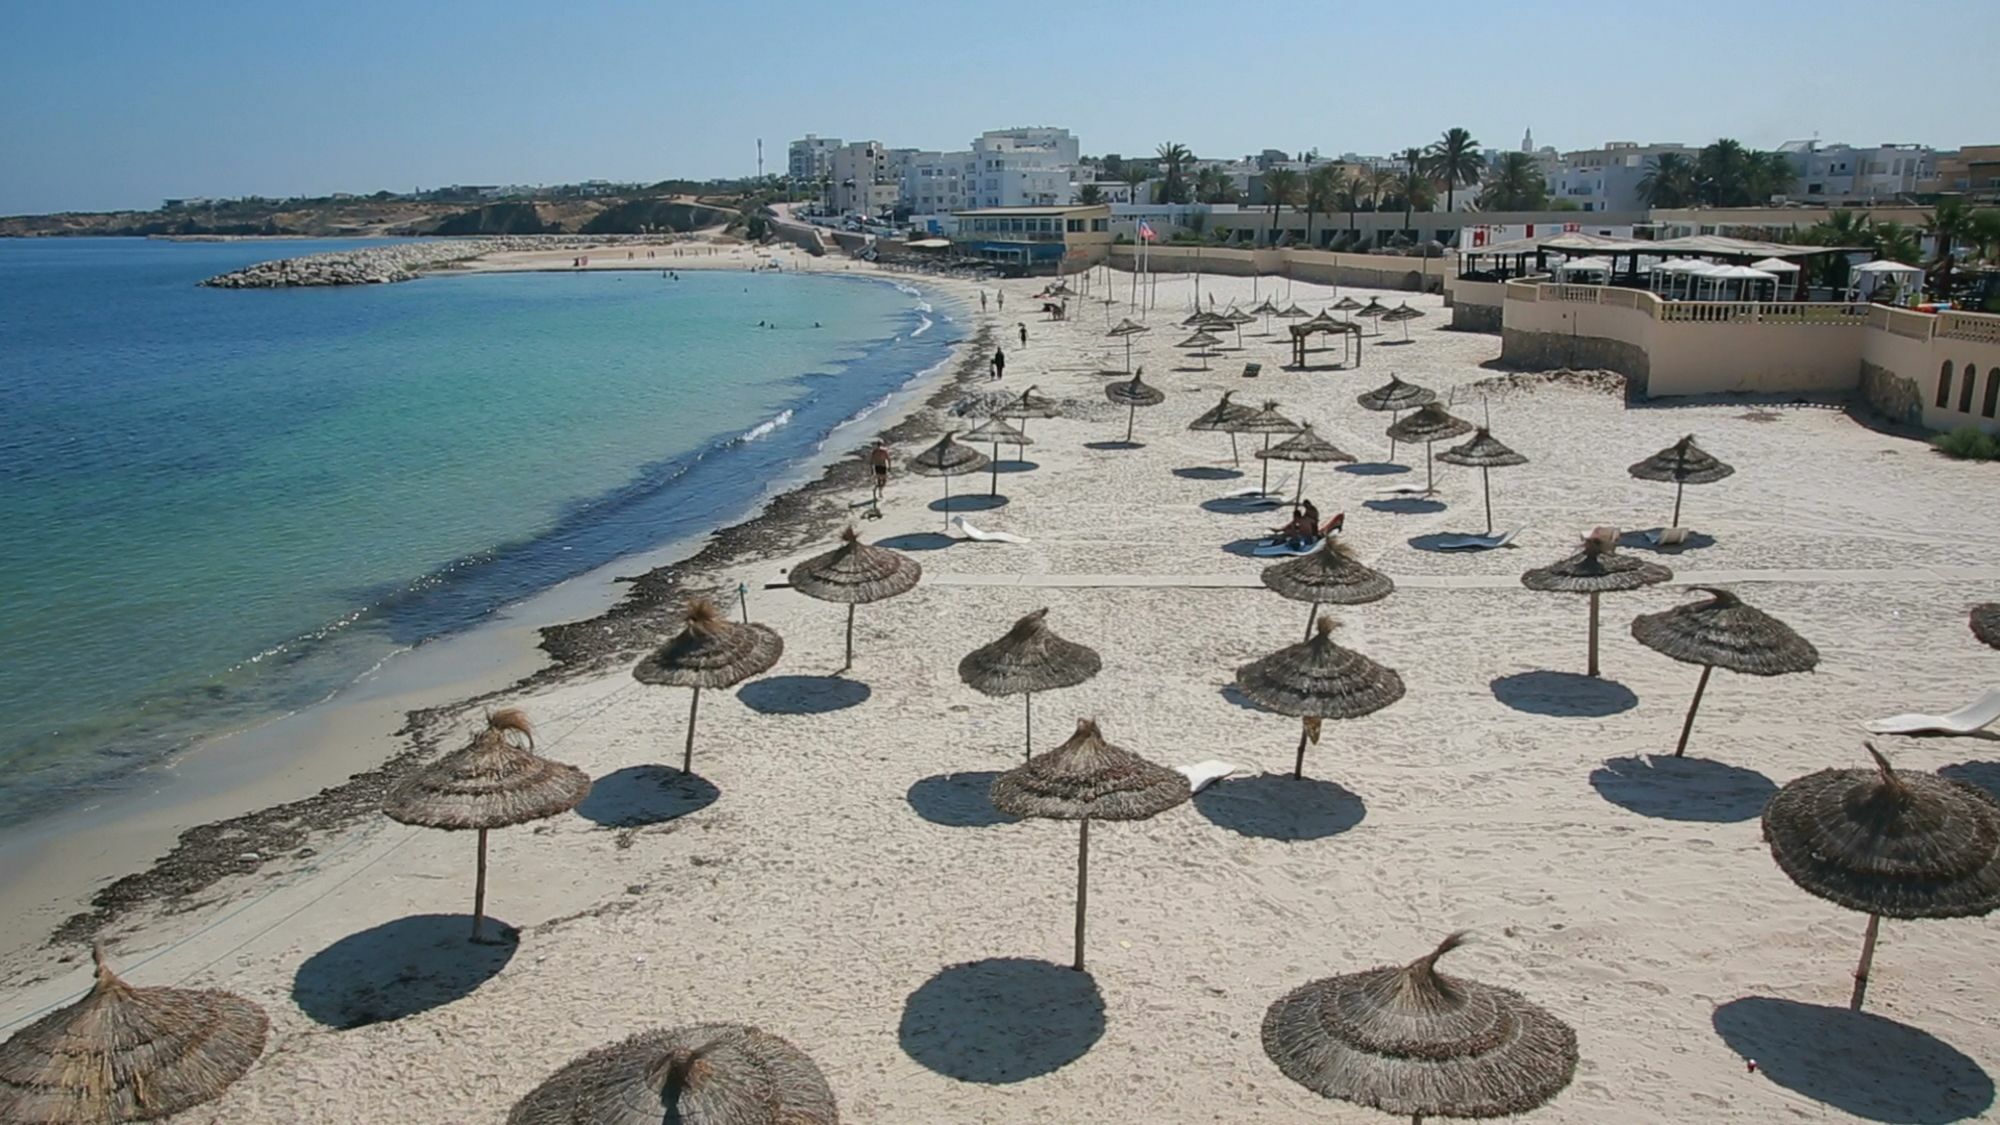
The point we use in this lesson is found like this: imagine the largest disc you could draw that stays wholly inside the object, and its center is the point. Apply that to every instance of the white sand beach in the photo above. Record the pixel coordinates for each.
(834, 873)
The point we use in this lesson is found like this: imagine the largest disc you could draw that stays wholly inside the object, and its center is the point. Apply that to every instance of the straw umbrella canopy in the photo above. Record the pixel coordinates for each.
(1219, 417)
(1395, 396)
(1986, 623)
(1088, 779)
(948, 459)
(1431, 423)
(1237, 318)
(1331, 575)
(494, 782)
(1028, 659)
(1317, 679)
(1484, 452)
(1684, 463)
(1267, 422)
(995, 431)
(1403, 314)
(124, 1053)
(1407, 1039)
(1200, 342)
(1723, 632)
(1595, 569)
(1292, 312)
(1195, 318)
(1267, 310)
(702, 1074)
(1889, 844)
(1133, 395)
(1126, 329)
(710, 651)
(1029, 405)
(1345, 305)
(1372, 310)
(1304, 447)
(855, 573)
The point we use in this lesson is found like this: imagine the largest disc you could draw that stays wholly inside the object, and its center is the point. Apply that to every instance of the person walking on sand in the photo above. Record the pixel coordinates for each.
(999, 363)
(878, 459)
(982, 300)
(1000, 295)
(1023, 326)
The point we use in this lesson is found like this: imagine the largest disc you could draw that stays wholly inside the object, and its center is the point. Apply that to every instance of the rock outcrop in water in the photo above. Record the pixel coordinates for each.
(399, 261)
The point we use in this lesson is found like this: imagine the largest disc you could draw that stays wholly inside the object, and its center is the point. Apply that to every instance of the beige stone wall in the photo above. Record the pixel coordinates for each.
(1475, 305)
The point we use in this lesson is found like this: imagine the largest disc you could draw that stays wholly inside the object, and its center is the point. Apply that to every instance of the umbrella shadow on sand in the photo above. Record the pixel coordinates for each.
(802, 695)
(1207, 472)
(1103, 445)
(1637, 541)
(397, 969)
(1695, 789)
(1564, 695)
(958, 800)
(1002, 1020)
(1985, 775)
(967, 502)
(1405, 506)
(1856, 1062)
(1242, 505)
(1373, 469)
(1017, 466)
(637, 796)
(918, 541)
(1279, 807)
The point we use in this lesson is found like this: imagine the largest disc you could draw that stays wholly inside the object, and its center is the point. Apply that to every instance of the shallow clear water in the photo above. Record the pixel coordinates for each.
(217, 505)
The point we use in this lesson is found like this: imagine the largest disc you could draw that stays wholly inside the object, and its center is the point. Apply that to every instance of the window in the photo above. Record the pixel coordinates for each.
(1100, 225)
(1965, 389)
(1075, 226)
(1944, 386)
(1992, 402)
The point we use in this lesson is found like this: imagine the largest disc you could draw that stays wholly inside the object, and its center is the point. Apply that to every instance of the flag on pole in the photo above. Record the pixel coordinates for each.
(1146, 231)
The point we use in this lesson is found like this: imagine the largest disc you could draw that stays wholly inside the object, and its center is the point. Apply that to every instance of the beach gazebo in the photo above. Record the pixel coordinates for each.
(1125, 329)
(1780, 267)
(1266, 421)
(1431, 423)
(1723, 632)
(1304, 447)
(1132, 395)
(126, 1053)
(1315, 680)
(948, 459)
(495, 782)
(994, 431)
(1394, 397)
(701, 1074)
(1594, 570)
(1029, 405)
(855, 573)
(1985, 621)
(1200, 342)
(1028, 659)
(1484, 452)
(1331, 575)
(1218, 419)
(1684, 463)
(1411, 1041)
(710, 651)
(1088, 779)
(1889, 844)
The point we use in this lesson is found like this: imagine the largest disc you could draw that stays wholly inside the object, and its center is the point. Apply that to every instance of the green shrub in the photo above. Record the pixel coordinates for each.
(1969, 443)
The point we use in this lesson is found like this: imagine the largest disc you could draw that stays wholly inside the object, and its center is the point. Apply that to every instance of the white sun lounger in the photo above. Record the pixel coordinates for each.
(1478, 542)
(978, 536)
(1667, 536)
(1201, 775)
(1981, 712)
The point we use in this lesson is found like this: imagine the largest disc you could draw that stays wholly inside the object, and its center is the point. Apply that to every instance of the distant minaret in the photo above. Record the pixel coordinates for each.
(1528, 141)
(760, 158)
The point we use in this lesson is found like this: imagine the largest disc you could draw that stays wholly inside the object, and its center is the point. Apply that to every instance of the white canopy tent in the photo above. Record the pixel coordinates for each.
(1898, 280)
(1744, 279)
(1580, 266)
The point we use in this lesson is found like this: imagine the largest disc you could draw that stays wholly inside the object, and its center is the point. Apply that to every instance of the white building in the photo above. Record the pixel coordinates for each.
(1839, 172)
(934, 183)
(1029, 167)
(1607, 178)
(863, 183)
(812, 157)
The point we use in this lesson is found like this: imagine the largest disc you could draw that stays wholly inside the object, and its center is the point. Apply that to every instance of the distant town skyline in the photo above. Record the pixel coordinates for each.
(122, 104)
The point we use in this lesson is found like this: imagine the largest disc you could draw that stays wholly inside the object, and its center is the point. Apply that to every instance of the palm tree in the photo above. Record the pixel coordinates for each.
(1134, 176)
(1346, 195)
(1212, 185)
(1322, 188)
(1412, 182)
(1768, 174)
(1281, 186)
(1897, 242)
(1669, 181)
(1948, 224)
(1174, 158)
(1723, 169)
(1842, 228)
(1381, 181)
(1517, 185)
(1090, 193)
(1983, 232)
(1454, 160)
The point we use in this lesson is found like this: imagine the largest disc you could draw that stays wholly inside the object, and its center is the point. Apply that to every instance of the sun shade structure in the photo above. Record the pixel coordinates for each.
(1372, 310)
(1431, 423)
(1029, 405)
(1985, 622)
(1221, 417)
(703, 1074)
(948, 459)
(1331, 575)
(1484, 452)
(1304, 447)
(1407, 1039)
(1132, 395)
(1030, 658)
(1126, 329)
(995, 431)
(710, 651)
(1088, 779)
(1595, 569)
(855, 573)
(1293, 312)
(1684, 463)
(1403, 314)
(1267, 422)
(1723, 632)
(1200, 342)
(1317, 679)
(1345, 305)
(124, 1053)
(1888, 844)
(1395, 396)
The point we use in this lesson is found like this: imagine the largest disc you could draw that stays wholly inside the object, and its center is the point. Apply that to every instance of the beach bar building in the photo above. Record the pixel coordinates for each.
(1036, 240)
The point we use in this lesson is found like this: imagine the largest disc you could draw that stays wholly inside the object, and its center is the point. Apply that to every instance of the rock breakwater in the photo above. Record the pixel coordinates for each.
(400, 261)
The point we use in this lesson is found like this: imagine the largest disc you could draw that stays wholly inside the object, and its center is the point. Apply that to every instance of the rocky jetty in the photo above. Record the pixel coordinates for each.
(399, 261)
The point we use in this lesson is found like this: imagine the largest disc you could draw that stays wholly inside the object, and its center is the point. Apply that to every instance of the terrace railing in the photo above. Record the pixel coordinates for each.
(1981, 328)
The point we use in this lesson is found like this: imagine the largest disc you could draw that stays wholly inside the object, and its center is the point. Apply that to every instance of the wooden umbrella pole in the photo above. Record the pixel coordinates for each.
(1701, 685)
(1867, 959)
(1265, 488)
(1593, 633)
(1430, 470)
(687, 755)
(1679, 487)
(1082, 884)
(1028, 729)
(850, 635)
(1310, 618)
(1235, 455)
(1486, 490)
(947, 502)
(993, 463)
(479, 897)
(1299, 766)
(1395, 416)
(1131, 415)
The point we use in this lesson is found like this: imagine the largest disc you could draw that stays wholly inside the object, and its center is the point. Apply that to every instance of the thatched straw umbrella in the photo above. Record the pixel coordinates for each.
(1127, 328)
(855, 573)
(1029, 405)
(1267, 422)
(1237, 318)
(1317, 679)
(1267, 310)
(1889, 844)
(703, 1074)
(1132, 396)
(995, 431)
(710, 651)
(1395, 396)
(1595, 569)
(495, 782)
(1292, 312)
(1329, 576)
(1431, 423)
(1410, 1040)
(1723, 631)
(1345, 305)
(1683, 463)
(948, 459)
(1403, 314)
(1030, 658)
(1200, 342)
(1484, 452)
(1304, 447)
(1219, 417)
(1374, 309)
(1986, 623)
(128, 1054)
(1088, 779)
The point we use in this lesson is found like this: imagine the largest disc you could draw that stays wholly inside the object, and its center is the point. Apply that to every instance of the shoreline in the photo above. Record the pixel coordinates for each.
(147, 849)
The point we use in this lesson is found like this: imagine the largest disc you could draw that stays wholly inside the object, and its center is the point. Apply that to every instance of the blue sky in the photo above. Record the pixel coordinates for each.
(118, 104)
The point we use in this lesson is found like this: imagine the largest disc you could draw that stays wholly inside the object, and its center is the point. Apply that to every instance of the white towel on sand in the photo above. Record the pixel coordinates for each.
(1201, 775)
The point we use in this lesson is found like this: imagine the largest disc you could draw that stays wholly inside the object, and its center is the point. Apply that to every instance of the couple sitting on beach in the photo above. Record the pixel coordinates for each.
(1304, 528)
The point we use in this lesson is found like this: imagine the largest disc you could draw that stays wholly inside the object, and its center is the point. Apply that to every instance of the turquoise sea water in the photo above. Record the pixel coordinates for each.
(218, 505)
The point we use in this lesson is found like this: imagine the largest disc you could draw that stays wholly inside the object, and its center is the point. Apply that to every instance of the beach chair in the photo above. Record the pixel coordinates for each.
(1252, 370)
(1979, 713)
(977, 536)
(1286, 550)
(1478, 542)
(1201, 775)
